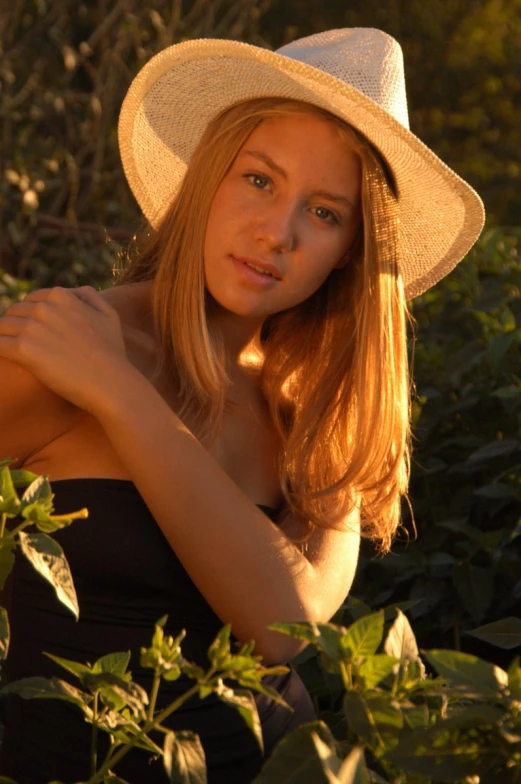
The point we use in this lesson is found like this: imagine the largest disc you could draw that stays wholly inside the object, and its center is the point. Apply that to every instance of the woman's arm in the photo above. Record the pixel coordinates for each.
(249, 571)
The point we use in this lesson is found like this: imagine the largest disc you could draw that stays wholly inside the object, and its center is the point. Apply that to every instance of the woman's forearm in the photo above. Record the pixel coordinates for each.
(248, 570)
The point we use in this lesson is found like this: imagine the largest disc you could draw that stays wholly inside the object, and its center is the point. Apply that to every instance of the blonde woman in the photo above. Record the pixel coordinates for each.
(235, 411)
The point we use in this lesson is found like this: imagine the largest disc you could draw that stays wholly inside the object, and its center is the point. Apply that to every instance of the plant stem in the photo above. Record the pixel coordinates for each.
(153, 696)
(2, 525)
(149, 725)
(94, 736)
(345, 671)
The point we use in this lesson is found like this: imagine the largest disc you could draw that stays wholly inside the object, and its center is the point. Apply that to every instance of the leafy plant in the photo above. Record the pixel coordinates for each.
(110, 701)
(34, 509)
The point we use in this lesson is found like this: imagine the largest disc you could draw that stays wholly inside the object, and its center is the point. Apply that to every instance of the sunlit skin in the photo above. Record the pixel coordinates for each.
(291, 199)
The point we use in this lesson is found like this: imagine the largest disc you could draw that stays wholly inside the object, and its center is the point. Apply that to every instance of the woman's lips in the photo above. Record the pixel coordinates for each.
(260, 279)
(263, 266)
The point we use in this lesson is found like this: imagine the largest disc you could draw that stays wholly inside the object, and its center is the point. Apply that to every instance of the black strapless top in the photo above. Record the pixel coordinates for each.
(126, 576)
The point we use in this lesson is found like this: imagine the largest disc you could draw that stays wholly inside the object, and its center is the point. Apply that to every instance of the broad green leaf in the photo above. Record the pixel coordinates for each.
(39, 492)
(22, 478)
(356, 607)
(374, 669)
(183, 758)
(116, 663)
(353, 770)
(301, 630)
(47, 557)
(331, 762)
(7, 547)
(505, 633)
(400, 641)
(364, 636)
(417, 716)
(245, 704)
(116, 692)
(4, 633)
(444, 754)
(7, 780)
(9, 502)
(295, 760)
(463, 669)
(497, 448)
(76, 668)
(475, 588)
(49, 688)
(497, 491)
(374, 717)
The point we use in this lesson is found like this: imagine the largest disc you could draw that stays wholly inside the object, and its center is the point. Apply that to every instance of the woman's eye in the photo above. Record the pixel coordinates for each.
(258, 180)
(326, 215)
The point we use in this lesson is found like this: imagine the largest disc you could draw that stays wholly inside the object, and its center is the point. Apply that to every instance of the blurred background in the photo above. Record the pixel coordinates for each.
(65, 211)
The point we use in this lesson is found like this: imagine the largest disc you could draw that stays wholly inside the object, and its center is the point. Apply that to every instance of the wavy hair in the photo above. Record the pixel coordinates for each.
(335, 371)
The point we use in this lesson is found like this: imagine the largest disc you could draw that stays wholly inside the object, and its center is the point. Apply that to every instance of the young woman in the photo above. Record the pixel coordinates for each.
(234, 412)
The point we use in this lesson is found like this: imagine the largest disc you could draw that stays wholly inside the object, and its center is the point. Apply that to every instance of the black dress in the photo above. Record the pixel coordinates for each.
(126, 577)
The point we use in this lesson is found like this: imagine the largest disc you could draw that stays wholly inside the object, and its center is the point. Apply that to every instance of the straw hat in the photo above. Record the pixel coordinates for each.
(356, 74)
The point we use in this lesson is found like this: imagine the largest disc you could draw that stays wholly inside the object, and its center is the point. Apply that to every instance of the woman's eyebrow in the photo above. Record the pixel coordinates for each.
(265, 158)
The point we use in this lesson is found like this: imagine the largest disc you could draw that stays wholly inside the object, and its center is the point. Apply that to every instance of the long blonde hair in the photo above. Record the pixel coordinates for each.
(335, 373)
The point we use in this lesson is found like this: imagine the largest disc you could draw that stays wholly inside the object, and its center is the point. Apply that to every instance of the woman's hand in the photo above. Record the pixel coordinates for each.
(70, 339)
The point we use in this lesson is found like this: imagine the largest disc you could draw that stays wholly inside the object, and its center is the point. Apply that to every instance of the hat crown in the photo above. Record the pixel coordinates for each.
(364, 58)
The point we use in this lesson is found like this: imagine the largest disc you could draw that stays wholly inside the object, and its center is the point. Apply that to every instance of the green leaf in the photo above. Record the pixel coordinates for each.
(116, 663)
(505, 633)
(76, 668)
(353, 770)
(9, 502)
(374, 669)
(374, 717)
(22, 478)
(38, 492)
(183, 758)
(364, 636)
(295, 759)
(7, 547)
(4, 633)
(417, 716)
(301, 630)
(47, 557)
(497, 491)
(244, 702)
(497, 448)
(6, 780)
(475, 588)
(443, 753)
(400, 641)
(463, 669)
(356, 607)
(49, 688)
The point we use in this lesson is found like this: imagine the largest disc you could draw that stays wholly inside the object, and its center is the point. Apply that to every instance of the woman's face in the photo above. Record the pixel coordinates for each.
(289, 206)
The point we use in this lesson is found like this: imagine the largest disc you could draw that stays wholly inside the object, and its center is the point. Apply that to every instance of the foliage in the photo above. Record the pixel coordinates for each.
(462, 570)
(34, 509)
(110, 701)
(66, 66)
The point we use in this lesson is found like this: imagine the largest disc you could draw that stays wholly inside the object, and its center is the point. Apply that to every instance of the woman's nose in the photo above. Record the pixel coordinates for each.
(277, 228)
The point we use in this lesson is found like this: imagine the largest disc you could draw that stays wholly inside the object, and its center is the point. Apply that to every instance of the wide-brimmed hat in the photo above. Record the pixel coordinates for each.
(356, 74)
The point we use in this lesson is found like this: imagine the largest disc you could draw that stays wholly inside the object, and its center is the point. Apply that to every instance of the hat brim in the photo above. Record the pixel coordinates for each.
(184, 87)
